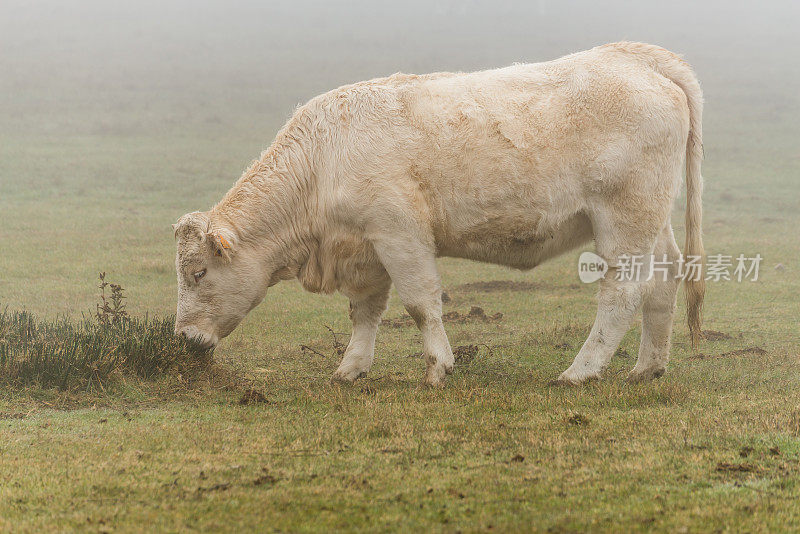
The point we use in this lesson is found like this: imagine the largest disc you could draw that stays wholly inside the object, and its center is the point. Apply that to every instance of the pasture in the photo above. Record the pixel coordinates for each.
(117, 120)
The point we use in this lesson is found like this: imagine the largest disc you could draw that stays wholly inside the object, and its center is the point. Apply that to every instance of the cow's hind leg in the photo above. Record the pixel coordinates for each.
(626, 225)
(658, 308)
(412, 267)
(618, 303)
(365, 312)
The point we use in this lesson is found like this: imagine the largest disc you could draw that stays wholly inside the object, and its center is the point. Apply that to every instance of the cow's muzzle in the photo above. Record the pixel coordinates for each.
(207, 341)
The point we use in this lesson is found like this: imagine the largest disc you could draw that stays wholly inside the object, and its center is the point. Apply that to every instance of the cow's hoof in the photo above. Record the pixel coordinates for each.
(574, 378)
(348, 376)
(435, 376)
(645, 375)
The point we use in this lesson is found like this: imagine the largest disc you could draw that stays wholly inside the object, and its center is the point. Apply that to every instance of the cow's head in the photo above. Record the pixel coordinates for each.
(219, 279)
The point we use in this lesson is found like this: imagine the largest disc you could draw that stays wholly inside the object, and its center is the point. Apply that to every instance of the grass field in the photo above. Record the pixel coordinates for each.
(117, 120)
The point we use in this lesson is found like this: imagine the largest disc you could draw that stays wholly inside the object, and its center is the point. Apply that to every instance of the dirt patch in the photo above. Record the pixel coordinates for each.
(726, 467)
(465, 354)
(577, 419)
(714, 335)
(475, 314)
(739, 352)
(252, 396)
(492, 286)
(398, 322)
(265, 478)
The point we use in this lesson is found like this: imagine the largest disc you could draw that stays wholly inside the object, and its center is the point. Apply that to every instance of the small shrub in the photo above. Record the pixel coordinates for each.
(111, 310)
(89, 355)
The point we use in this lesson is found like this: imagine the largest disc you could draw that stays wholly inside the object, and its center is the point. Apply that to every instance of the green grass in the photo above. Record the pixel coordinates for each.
(113, 129)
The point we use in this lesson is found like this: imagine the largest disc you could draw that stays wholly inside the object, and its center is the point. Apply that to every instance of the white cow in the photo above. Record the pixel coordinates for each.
(367, 184)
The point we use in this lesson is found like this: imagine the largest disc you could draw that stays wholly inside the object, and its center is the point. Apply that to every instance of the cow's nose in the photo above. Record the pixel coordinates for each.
(189, 332)
(194, 333)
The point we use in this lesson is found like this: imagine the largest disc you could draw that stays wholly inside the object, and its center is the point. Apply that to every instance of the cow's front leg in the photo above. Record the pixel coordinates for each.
(412, 267)
(365, 312)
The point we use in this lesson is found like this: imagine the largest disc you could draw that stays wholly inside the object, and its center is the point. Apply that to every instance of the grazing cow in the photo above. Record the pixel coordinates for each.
(367, 184)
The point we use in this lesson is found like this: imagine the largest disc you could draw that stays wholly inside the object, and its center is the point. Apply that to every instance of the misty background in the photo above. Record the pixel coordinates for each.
(239, 68)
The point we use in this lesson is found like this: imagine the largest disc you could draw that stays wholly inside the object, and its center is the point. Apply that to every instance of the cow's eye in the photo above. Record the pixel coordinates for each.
(198, 275)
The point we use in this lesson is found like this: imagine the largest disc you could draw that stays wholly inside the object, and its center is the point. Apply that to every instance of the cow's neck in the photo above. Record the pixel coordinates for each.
(273, 204)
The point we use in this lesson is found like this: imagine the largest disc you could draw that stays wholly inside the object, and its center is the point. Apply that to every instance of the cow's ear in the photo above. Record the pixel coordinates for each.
(221, 245)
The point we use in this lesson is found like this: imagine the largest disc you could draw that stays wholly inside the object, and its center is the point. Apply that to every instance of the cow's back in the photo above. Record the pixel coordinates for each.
(505, 159)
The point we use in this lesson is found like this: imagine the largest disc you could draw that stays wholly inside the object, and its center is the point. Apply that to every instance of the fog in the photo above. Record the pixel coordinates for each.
(165, 65)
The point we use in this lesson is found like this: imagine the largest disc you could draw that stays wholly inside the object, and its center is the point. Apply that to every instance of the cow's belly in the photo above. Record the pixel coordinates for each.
(520, 243)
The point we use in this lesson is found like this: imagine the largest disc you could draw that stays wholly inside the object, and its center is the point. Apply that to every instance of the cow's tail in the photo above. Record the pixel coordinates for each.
(676, 69)
(694, 283)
